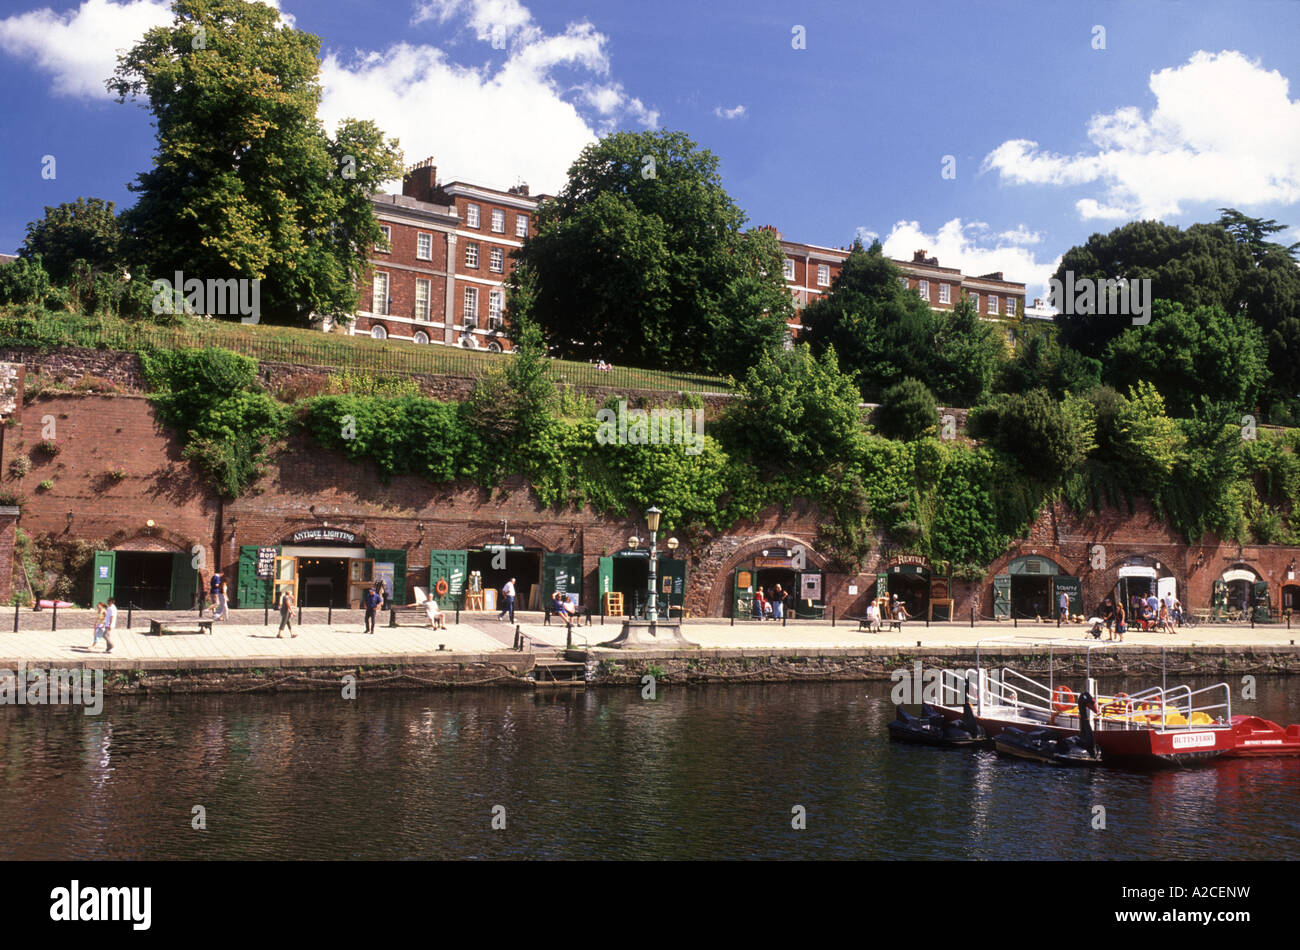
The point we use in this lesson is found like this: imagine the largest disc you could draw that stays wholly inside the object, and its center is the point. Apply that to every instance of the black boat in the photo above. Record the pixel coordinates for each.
(930, 728)
(1044, 746)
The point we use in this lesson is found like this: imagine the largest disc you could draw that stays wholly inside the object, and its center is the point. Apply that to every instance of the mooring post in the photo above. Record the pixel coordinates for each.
(54, 615)
(568, 641)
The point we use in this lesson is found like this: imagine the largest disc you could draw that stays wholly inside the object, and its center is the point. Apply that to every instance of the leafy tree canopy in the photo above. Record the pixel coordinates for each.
(907, 411)
(643, 259)
(246, 183)
(85, 230)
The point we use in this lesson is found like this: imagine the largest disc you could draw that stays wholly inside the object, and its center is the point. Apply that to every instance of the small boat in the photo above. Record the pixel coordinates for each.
(931, 728)
(1257, 737)
(1044, 746)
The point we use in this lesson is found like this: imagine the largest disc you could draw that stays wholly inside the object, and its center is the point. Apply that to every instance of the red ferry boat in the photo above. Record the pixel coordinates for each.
(1159, 725)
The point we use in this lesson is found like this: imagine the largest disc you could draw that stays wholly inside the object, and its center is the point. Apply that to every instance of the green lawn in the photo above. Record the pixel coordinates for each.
(312, 348)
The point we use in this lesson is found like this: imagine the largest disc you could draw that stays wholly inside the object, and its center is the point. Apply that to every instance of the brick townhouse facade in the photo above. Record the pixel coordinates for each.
(441, 277)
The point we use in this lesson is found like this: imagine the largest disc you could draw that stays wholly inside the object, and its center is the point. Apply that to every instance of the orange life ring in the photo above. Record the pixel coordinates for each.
(441, 586)
(1063, 698)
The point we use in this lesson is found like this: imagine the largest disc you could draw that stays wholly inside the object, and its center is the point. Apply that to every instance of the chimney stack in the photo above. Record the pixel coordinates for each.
(421, 180)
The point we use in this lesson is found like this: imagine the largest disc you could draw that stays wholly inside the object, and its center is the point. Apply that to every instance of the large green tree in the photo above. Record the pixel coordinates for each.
(85, 230)
(246, 183)
(643, 258)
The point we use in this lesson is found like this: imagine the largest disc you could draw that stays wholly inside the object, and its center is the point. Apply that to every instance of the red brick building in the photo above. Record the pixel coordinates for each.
(811, 270)
(441, 277)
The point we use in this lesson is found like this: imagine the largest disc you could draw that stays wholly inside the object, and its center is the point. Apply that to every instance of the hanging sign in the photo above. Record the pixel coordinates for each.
(326, 535)
(266, 561)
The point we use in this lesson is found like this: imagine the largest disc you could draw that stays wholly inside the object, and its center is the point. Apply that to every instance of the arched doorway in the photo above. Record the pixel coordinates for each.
(911, 584)
(1138, 578)
(1031, 588)
(1239, 592)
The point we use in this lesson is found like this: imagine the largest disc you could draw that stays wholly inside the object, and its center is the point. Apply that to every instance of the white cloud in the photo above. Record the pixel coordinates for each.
(955, 244)
(1223, 130)
(79, 48)
(736, 113)
(527, 116)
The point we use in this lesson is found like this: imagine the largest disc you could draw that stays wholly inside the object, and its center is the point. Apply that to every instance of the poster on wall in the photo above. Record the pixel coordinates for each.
(384, 572)
(266, 561)
(812, 586)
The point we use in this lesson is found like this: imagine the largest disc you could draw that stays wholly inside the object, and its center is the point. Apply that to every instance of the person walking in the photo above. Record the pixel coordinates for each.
(223, 605)
(214, 593)
(110, 624)
(286, 613)
(100, 611)
(508, 595)
(1064, 604)
(371, 601)
(1120, 626)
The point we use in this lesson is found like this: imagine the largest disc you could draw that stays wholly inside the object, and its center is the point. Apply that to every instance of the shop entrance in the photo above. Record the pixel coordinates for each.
(144, 580)
(525, 566)
(1291, 597)
(323, 581)
(911, 584)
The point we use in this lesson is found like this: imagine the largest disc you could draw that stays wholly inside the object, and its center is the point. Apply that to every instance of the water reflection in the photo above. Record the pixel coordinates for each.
(695, 774)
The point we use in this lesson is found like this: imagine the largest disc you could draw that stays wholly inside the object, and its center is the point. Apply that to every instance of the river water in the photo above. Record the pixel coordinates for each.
(711, 772)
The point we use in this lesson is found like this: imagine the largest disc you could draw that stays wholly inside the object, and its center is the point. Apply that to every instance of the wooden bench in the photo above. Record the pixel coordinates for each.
(157, 629)
(885, 623)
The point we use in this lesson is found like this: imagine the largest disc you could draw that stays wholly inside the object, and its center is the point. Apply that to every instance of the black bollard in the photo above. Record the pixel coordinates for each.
(568, 642)
(300, 615)
(329, 614)
(266, 614)
(972, 618)
(392, 618)
(1288, 623)
(733, 615)
(832, 615)
(1015, 621)
(54, 616)
(128, 615)
(458, 614)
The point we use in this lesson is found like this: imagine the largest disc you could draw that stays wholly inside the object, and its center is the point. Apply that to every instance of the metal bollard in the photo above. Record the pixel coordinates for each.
(733, 615)
(329, 614)
(300, 615)
(1015, 621)
(392, 618)
(972, 618)
(832, 615)
(457, 614)
(568, 642)
(266, 614)
(783, 618)
(54, 616)
(16, 619)
(128, 615)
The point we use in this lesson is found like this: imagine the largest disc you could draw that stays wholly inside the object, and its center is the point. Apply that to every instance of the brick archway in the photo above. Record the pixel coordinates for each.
(1102, 583)
(720, 591)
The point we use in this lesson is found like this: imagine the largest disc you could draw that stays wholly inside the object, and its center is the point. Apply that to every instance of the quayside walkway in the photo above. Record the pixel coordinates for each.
(339, 639)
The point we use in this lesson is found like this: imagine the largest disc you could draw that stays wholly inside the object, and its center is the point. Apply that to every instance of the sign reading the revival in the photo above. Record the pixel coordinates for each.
(325, 535)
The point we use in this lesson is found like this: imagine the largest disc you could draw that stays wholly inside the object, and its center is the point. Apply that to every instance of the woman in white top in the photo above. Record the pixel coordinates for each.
(437, 619)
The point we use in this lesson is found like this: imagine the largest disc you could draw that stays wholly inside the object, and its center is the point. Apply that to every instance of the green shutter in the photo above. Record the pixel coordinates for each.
(183, 583)
(398, 559)
(562, 572)
(251, 590)
(1260, 602)
(1073, 588)
(452, 567)
(672, 570)
(742, 601)
(605, 572)
(1002, 596)
(882, 585)
(105, 576)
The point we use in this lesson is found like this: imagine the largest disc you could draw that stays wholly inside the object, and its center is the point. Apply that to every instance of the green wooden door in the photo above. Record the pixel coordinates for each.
(1002, 596)
(672, 585)
(1071, 587)
(183, 583)
(561, 572)
(605, 577)
(742, 594)
(1259, 600)
(452, 567)
(381, 556)
(251, 590)
(105, 576)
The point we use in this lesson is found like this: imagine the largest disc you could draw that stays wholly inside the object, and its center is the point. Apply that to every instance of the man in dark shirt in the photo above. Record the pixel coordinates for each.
(371, 600)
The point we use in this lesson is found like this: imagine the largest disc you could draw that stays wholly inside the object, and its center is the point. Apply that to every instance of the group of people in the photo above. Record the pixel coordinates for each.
(770, 605)
(562, 608)
(1149, 613)
(897, 610)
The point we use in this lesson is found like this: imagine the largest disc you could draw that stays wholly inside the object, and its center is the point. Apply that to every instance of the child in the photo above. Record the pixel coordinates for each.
(100, 611)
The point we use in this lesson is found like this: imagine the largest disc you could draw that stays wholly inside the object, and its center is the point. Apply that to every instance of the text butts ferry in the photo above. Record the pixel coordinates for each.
(1159, 725)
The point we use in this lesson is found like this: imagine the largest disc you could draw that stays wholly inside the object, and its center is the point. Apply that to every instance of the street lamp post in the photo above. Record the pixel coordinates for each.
(652, 522)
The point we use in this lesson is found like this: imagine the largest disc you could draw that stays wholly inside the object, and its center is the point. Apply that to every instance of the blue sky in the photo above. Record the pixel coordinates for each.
(1189, 107)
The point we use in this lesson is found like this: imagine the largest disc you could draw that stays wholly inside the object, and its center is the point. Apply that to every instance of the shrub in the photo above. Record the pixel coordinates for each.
(46, 485)
(20, 466)
(907, 411)
(49, 447)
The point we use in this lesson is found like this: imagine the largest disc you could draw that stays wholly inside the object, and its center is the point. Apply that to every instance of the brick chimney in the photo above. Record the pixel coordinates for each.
(421, 180)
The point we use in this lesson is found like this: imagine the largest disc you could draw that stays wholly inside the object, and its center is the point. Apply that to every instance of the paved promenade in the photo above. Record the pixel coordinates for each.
(245, 641)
